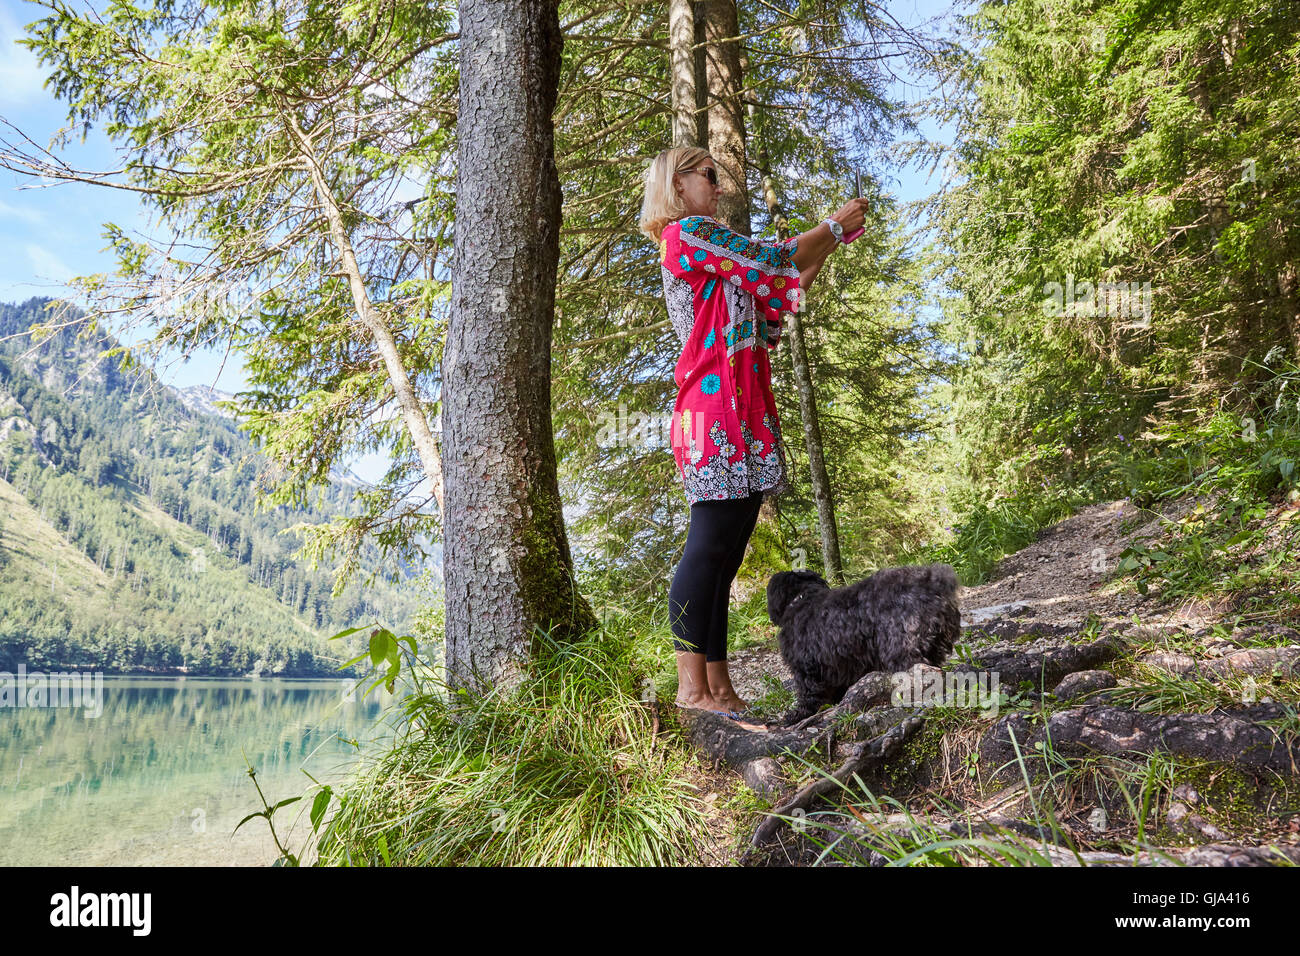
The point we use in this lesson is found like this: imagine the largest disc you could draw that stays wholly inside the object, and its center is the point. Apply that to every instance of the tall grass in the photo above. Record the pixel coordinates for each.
(993, 529)
(565, 770)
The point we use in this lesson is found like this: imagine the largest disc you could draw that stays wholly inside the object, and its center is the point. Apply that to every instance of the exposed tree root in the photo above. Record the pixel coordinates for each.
(1045, 668)
(862, 840)
(869, 753)
(1116, 731)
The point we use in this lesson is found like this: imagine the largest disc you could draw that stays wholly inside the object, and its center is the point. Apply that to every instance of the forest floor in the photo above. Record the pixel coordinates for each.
(1133, 727)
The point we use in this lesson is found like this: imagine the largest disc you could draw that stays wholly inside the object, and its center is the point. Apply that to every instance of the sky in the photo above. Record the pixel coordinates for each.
(50, 232)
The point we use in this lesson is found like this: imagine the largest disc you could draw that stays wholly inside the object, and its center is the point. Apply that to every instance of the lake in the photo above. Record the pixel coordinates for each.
(158, 778)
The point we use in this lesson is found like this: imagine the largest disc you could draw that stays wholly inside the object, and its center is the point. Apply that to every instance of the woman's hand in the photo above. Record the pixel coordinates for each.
(853, 215)
(817, 243)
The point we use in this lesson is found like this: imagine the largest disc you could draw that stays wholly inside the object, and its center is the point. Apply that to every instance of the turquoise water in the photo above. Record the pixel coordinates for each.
(159, 778)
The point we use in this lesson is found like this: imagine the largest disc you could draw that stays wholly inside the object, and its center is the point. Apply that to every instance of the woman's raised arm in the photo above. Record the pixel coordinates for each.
(812, 247)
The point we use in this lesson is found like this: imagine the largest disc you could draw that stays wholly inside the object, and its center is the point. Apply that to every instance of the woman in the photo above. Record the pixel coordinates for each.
(725, 295)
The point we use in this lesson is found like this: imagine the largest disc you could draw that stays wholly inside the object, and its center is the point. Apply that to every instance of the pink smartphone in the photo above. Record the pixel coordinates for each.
(857, 179)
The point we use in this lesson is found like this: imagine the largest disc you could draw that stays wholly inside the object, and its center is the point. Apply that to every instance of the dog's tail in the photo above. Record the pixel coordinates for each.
(935, 642)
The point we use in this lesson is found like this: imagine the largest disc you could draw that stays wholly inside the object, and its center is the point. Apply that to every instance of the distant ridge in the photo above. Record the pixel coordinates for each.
(129, 540)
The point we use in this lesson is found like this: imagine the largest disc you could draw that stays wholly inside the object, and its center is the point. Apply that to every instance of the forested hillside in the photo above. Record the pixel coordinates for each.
(1121, 253)
(129, 534)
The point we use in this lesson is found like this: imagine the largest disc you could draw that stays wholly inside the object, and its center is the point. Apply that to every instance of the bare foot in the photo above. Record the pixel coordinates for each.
(714, 705)
(702, 702)
(731, 701)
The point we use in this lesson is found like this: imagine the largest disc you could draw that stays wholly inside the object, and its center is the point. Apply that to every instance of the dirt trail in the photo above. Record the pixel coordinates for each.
(1057, 613)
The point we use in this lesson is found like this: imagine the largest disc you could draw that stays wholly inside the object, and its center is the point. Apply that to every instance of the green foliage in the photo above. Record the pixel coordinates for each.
(995, 528)
(1107, 141)
(267, 813)
(270, 143)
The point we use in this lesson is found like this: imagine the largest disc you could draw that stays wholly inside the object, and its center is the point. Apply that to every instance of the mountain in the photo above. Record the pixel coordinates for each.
(203, 400)
(129, 540)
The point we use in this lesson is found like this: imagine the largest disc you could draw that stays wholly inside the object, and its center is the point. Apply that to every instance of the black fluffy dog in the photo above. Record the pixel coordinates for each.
(830, 638)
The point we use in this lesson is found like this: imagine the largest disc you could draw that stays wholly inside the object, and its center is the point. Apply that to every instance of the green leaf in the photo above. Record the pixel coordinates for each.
(351, 630)
(379, 643)
(358, 658)
(259, 813)
(319, 806)
(283, 803)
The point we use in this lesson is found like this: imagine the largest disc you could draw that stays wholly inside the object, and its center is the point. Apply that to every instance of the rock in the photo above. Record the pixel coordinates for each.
(1192, 824)
(1082, 683)
(1225, 660)
(1256, 660)
(1170, 661)
(981, 615)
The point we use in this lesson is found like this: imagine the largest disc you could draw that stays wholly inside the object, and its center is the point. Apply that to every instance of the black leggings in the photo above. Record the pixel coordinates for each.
(701, 588)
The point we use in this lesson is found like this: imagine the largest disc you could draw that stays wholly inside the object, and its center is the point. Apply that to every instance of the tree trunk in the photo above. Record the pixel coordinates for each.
(701, 76)
(726, 117)
(812, 434)
(682, 56)
(506, 556)
(413, 414)
(726, 136)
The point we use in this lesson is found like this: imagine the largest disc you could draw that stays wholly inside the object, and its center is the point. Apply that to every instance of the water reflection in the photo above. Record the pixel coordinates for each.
(159, 777)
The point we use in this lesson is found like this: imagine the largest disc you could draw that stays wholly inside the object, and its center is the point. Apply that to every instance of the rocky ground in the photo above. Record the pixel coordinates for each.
(1132, 728)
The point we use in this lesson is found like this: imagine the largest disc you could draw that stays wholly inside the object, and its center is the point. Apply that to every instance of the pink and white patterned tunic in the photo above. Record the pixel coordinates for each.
(725, 294)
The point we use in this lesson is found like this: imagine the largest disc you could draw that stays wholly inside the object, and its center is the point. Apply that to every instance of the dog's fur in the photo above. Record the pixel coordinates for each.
(829, 639)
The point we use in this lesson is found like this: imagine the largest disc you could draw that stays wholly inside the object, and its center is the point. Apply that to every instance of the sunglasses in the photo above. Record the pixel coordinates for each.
(708, 171)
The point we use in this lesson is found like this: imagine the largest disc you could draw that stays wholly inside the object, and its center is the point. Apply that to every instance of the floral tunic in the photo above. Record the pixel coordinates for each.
(725, 295)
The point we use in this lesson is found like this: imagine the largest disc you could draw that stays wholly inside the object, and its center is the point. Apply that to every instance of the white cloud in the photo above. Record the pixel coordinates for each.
(25, 213)
(21, 78)
(46, 265)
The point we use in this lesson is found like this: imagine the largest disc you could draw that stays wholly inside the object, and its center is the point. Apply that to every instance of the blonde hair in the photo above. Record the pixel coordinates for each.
(662, 205)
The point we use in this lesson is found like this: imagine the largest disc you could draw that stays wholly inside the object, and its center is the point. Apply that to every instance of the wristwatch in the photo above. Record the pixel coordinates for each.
(836, 229)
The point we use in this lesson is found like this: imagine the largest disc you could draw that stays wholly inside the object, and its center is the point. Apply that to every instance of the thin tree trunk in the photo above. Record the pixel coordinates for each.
(811, 420)
(506, 556)
(413, 415)
(701, 75)
(726, 111)
(1287, 289)
(821, 484)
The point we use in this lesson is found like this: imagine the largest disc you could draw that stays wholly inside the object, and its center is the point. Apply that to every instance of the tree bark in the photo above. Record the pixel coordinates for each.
(701, 75)
(726, 120)
(508, 569)
(682, 64)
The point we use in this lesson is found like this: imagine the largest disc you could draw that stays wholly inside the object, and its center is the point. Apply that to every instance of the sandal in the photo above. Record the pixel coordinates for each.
(739, 717)
(732, 714)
